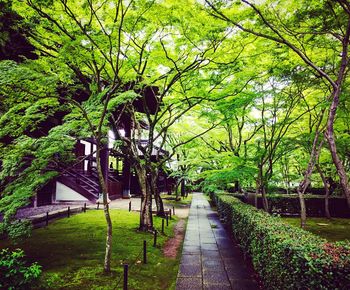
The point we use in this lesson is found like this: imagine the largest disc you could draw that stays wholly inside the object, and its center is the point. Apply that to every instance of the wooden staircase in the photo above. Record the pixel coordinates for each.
(87, 184)
(84, 184)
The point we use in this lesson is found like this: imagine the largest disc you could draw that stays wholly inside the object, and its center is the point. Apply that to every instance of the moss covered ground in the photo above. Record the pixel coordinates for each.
(170, 200)
(71, 252)
(336, 229)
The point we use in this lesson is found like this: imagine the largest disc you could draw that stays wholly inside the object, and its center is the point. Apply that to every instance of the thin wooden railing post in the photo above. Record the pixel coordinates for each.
(155, 238)
(126, 269)
(144, 252)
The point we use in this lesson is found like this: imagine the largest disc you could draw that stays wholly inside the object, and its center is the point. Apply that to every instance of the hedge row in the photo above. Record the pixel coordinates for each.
(285, 257)
(289, 205)
(314, 205)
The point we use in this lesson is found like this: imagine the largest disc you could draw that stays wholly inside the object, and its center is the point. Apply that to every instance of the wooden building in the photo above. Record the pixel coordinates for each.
(79, 183)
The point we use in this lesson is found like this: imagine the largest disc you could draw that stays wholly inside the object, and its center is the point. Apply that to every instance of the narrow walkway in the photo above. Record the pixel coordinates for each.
(210, 258)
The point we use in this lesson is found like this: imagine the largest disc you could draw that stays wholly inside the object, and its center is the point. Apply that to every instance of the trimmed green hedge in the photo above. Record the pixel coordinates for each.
(285, 257)
(290, 205)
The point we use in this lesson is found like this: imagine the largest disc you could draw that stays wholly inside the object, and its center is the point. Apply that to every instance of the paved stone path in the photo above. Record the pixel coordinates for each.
(210, 258)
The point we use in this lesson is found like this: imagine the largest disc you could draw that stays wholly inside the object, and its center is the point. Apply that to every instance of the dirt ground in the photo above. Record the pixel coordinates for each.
(172, 246)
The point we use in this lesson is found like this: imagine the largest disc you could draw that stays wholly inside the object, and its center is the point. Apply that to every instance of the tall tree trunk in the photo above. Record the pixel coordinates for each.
(326, 188)
(159, 204)
(177, 190)
(146, 219)
(156, 193)
(256, 192)
(343, 178)
(301, 190)
(332, 114)
(264, 197)
(103, 185)
(261, 188)
(315, 151)
(183, 187)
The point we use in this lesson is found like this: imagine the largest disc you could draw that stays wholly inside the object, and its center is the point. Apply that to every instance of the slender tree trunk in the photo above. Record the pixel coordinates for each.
(326, 188)
(261, 188)
(315, 151)
(332, 114)
(108, 251)
(343, 178)
(159, 203)
(183, 188)
(177, 190)
(264, 197)
(256, 193)
(146, 219)
(156, 193)
(301, 190)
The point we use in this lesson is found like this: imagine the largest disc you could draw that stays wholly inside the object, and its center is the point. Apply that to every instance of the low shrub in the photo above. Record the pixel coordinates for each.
(285, 257)
(15, 272)
(288, 204)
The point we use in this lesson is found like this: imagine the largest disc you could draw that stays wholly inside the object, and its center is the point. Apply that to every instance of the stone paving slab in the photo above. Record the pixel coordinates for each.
(191, 259)
(189, 283)
(190, 270)
(210, 258)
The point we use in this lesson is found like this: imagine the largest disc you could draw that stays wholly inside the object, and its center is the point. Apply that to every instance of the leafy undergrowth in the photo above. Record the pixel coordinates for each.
(71, 251)
(337, 229)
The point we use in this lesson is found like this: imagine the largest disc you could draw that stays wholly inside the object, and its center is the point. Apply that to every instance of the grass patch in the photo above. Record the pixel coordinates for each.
(169, 200)
(337, 229)
(71, 251)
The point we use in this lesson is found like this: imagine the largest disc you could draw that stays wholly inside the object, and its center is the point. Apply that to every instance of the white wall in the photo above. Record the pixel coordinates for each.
(87, 152)
(64, 193)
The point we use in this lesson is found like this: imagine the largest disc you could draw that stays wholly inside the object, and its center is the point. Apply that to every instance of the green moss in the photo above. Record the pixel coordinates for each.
(337, 229)
(71, 251)
(170, 200)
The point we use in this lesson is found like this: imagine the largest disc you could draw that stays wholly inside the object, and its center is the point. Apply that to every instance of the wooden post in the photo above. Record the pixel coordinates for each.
(170, 213)
(144, 252)
(47, 218)
(155, 239)
(162, 226)
(167, 220)
(126, 268)
(98, 205)
(129, 206)
(173, 210)
(68, 212)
